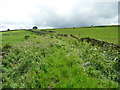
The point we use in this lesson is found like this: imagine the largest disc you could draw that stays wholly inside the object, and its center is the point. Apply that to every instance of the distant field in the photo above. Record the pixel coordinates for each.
(15, 37)
(109, 34)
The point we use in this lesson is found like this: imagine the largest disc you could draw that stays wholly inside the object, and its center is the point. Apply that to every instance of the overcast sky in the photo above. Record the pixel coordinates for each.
(15, 14)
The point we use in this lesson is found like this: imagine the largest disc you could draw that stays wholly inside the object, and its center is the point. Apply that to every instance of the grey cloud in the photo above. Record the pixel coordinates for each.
(72, 14)
(97, 13)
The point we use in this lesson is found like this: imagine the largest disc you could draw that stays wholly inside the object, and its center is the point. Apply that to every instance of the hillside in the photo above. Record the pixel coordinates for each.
(44, 59)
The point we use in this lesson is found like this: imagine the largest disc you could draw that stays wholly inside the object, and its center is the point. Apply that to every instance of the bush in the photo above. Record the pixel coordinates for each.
(26, 37)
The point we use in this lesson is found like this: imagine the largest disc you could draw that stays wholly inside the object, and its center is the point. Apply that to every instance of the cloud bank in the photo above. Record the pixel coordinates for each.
(16, 14)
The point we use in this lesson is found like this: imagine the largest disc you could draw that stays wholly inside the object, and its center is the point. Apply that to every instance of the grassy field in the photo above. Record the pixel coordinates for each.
(109, 34)
(52, 61)
(15, 37)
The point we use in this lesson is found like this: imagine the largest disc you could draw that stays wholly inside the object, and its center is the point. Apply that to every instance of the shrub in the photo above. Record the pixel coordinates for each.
(26, 37)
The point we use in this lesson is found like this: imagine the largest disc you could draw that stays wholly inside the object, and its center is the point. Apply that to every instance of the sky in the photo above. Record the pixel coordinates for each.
(24, 14)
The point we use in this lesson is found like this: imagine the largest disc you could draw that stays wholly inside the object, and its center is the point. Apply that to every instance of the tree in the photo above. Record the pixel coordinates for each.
(8, 29)
(35, 27)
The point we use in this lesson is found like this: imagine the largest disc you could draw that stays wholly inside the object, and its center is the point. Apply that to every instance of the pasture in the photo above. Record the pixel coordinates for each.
(15, 37)
(108, 33)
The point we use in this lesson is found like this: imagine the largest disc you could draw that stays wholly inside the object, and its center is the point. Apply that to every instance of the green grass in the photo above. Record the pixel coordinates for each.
(51, 61)
(109, 34)
(15, 37)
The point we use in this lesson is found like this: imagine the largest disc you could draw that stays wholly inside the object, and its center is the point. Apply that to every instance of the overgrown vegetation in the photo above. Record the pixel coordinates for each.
(52, 61)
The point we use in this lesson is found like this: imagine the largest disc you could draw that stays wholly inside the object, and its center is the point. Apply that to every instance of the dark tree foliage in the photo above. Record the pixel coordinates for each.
(8, 29)
(35, 27)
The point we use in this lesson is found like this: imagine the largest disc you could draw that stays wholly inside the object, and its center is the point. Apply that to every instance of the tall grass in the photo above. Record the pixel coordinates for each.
(52, 61)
